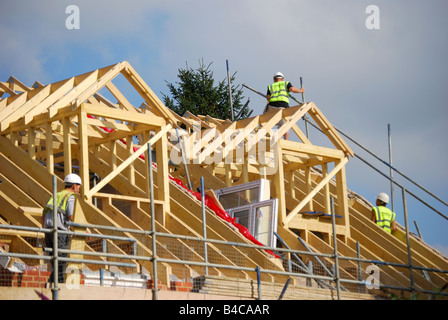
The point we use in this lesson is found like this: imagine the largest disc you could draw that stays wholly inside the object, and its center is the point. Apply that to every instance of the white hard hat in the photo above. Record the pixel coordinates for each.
(73, 178)
(383, 197)
(279, 75)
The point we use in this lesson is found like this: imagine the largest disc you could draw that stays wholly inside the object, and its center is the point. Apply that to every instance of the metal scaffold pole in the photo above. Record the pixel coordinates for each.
(153, 225)
(204, 224)
(335, 245)
(390, 168)
(230, 90)
(408, 243)
(55, 289)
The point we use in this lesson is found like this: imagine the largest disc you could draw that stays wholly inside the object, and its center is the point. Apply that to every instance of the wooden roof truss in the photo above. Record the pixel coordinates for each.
(71, 124)
(49, 120)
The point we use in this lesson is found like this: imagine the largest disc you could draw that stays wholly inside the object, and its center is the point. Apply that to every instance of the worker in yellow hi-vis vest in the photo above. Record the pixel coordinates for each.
(278, 96)
(65, 202)
(383, 216)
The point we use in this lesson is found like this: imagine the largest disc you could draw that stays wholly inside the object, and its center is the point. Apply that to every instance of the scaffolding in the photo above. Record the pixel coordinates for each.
(144, 218)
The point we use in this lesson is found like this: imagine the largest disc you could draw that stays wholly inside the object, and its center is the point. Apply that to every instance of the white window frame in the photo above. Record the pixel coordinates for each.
(252, 219)
(263, 200)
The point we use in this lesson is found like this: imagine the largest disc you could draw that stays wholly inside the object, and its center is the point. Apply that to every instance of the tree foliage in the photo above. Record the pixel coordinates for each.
(197, 93)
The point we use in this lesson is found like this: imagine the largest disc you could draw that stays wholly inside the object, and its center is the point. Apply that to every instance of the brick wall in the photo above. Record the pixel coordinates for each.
(37, 279)
(27, 279)
(174, 286)
(181, 286)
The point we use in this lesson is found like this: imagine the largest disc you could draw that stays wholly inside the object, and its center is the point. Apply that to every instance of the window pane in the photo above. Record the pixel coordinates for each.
(263, 224)
(239, 198)
(242, 218)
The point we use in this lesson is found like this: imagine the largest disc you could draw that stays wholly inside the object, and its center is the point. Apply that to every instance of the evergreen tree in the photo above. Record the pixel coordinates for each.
(196, 92)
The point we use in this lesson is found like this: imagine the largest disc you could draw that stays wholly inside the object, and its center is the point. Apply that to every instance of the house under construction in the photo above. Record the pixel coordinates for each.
(189, 207)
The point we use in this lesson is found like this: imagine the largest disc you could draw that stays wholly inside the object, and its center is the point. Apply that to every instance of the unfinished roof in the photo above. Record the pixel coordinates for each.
(70, 125)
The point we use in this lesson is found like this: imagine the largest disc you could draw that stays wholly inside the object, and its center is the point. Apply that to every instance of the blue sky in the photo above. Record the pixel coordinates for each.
(361, 79)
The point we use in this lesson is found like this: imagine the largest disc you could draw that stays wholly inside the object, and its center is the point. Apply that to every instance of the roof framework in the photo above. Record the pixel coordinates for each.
(57, 128)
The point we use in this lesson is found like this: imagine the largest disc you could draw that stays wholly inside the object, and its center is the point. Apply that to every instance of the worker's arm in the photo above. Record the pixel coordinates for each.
(297, 90)
(393, 225)
(373, 216)
(70, 207)
(42, 219)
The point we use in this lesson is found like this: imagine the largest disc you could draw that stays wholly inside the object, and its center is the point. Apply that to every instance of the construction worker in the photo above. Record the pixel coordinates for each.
(278, 96)
(383, 216)
(65, 201)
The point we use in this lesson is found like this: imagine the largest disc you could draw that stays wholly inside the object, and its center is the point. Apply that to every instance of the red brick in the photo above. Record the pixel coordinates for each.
(30, 285)
(160, 285)
(27, 278)
(181, 286)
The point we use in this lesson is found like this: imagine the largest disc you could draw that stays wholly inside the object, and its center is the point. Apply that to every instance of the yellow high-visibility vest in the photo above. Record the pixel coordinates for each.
(61, 202)
(279, 91)
(384, 217)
